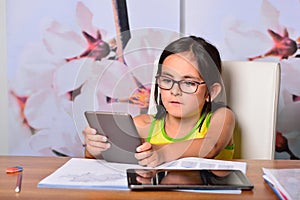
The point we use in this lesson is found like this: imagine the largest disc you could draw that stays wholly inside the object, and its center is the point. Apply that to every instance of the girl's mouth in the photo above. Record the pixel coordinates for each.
(175, 102)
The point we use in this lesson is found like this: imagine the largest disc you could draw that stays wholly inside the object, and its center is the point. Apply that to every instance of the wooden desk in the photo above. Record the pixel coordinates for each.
(37, 168)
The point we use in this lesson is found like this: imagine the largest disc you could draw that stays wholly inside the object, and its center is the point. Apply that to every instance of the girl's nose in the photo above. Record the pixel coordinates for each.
(175, 90)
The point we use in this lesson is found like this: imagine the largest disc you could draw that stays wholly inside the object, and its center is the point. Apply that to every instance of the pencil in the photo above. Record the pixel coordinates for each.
(19, 182)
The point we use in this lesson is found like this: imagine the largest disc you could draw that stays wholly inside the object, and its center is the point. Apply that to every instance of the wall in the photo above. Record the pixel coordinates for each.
(44, 36)
(205, 18)
(3, 83)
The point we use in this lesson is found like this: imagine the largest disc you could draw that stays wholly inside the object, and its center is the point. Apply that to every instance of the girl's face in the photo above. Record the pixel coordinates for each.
(177, 103)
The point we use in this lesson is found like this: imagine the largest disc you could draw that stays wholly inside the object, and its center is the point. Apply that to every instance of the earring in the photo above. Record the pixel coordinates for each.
(207, 99)
(207, 96)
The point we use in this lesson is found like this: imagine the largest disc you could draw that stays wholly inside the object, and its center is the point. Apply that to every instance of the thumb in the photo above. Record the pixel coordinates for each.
(144, 147)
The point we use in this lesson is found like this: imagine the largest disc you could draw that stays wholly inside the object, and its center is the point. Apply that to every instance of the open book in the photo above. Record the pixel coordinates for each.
(284, 182)
(99, 174)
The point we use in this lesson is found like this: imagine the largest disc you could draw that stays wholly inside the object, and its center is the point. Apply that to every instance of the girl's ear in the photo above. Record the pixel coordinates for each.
(215, 90)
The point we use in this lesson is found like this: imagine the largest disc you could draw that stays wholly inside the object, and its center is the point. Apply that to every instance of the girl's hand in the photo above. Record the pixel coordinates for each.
(147, 155)
(95, 143)
(145, 176)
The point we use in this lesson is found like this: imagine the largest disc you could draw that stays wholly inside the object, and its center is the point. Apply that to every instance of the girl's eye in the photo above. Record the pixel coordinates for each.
(189, 83)
(166, 80)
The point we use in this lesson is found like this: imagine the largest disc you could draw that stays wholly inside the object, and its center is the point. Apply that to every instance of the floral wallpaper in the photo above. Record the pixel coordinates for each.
(73, 66)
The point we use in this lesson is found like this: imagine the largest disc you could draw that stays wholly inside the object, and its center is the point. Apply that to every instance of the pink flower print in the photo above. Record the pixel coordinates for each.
(283, 48)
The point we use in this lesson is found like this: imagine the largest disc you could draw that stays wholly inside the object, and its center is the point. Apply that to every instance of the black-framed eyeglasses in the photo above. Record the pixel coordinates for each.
(186, 86)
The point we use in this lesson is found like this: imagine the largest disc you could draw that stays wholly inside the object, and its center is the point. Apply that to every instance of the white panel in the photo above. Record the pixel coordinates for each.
(252, 90)
(3, 83)
(155, 13)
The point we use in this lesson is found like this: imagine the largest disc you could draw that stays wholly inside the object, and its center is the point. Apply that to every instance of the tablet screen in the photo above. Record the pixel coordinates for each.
(121, 133)
(187, 179)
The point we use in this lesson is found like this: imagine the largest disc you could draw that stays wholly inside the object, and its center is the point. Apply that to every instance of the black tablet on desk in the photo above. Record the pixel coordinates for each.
(121, 133)
(194, 179)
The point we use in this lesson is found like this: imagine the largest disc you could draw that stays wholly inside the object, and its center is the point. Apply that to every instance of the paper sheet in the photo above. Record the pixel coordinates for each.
(99, 174)
(284, 181)
(202, 163)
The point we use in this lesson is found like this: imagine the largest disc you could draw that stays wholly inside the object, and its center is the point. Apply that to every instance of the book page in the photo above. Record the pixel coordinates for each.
(203, 163)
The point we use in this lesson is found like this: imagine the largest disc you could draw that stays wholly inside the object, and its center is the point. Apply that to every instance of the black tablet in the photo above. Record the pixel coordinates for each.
(121, 133)
(170, 179)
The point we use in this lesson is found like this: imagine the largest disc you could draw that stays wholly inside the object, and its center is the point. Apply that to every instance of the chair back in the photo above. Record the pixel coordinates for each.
(252, 90)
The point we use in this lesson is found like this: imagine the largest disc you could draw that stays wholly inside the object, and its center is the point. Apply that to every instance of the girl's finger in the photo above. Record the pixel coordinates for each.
(144, 147)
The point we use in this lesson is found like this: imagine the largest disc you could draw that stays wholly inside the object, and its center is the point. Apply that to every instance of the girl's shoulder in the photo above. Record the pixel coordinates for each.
(143, 123)
(143, 119)
(224, 113)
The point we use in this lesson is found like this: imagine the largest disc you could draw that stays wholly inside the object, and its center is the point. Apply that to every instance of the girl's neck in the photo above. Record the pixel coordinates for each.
(179, 127)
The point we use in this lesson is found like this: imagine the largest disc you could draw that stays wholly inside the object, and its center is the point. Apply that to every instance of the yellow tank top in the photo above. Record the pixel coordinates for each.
(158, 136)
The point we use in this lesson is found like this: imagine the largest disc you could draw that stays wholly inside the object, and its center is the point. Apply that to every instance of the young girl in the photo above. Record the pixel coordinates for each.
(191, 119)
